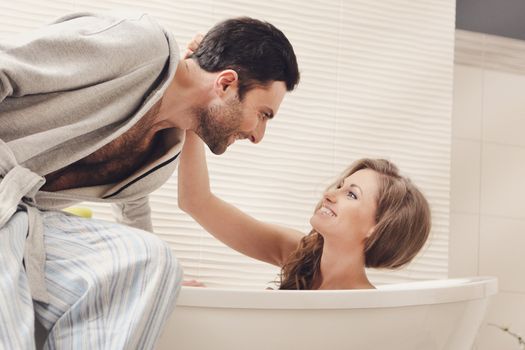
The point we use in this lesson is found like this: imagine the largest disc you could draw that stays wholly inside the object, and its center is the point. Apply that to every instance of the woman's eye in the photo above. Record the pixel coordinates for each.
(352, 195)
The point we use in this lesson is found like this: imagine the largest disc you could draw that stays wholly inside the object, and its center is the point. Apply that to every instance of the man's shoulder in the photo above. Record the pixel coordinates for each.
(112, 22)
(126, 35)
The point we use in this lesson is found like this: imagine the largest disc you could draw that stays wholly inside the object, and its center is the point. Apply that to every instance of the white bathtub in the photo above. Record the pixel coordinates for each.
(429, 315)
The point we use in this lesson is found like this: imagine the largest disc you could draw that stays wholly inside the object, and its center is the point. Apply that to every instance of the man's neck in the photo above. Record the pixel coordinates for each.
(188, 91)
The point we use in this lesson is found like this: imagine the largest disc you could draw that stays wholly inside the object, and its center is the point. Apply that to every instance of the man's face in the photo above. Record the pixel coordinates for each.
(221, 124)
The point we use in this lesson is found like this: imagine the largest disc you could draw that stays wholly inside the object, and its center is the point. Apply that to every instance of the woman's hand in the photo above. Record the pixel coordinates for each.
(193, 45)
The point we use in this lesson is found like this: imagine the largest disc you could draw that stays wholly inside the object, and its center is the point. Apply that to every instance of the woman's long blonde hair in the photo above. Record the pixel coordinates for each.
(403, 222)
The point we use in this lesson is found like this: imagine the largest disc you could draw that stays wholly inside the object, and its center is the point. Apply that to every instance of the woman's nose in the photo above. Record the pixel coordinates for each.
(329, 195)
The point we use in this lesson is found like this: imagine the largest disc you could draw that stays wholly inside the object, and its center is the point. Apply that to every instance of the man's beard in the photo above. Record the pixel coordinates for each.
(218, 124)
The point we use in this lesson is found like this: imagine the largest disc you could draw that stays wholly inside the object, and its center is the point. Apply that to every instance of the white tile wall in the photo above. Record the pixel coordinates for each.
(502, 247)
(504, 108)
(465, 176)
(503, 180)
(468, 102)
(506, 310)
(463, 245)
(487, 228)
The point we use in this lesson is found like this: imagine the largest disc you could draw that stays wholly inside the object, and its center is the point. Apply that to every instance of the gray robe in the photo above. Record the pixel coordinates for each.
(66, 90)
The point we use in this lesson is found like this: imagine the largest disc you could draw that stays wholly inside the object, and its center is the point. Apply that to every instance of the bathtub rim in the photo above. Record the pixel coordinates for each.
(387, 296)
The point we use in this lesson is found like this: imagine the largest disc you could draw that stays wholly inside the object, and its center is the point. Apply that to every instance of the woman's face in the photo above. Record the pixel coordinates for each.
(348, 210)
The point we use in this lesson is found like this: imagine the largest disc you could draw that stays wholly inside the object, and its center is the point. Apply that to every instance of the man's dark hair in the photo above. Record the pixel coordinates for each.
(256, 50)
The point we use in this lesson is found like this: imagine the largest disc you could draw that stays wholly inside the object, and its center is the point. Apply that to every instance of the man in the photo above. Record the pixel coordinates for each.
(94, 108)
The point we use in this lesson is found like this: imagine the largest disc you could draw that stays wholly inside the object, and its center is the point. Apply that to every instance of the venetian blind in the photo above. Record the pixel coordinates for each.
(376, 82)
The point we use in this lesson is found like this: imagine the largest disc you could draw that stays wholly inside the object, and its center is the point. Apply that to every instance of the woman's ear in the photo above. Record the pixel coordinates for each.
(370, 232)
(226, 83)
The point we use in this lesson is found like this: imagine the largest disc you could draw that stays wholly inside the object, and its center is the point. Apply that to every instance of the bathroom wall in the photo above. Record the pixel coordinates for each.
(487, 219)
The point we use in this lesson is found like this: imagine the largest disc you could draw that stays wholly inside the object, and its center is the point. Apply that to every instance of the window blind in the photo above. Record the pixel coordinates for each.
(376, 81)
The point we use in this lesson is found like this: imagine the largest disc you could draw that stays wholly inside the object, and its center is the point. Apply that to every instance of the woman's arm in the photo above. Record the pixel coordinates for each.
(259, 240)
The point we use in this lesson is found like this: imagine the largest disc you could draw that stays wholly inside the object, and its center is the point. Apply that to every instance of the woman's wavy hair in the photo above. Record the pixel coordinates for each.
(403, 222)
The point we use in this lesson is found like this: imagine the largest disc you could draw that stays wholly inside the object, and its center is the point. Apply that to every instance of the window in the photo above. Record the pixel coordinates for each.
(376, 82)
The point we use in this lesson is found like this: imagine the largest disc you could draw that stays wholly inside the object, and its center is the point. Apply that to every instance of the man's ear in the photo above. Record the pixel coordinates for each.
(227, 81)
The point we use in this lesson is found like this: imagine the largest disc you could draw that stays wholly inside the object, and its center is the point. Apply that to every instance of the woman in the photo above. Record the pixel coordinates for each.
(370, 217)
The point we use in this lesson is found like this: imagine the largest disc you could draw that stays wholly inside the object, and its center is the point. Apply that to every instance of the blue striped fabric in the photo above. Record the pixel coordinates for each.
(111, 286)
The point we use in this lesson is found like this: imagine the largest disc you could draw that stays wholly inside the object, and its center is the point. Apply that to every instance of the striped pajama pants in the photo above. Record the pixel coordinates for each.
(111, 286)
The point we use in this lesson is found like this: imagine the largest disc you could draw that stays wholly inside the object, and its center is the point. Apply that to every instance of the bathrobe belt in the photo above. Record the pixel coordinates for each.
(18, 187)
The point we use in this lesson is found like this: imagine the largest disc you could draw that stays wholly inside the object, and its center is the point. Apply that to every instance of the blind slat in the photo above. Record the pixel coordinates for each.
(376, 81)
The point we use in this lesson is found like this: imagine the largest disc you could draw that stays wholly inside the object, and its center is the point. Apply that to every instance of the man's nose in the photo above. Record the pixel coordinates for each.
(258, 134)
